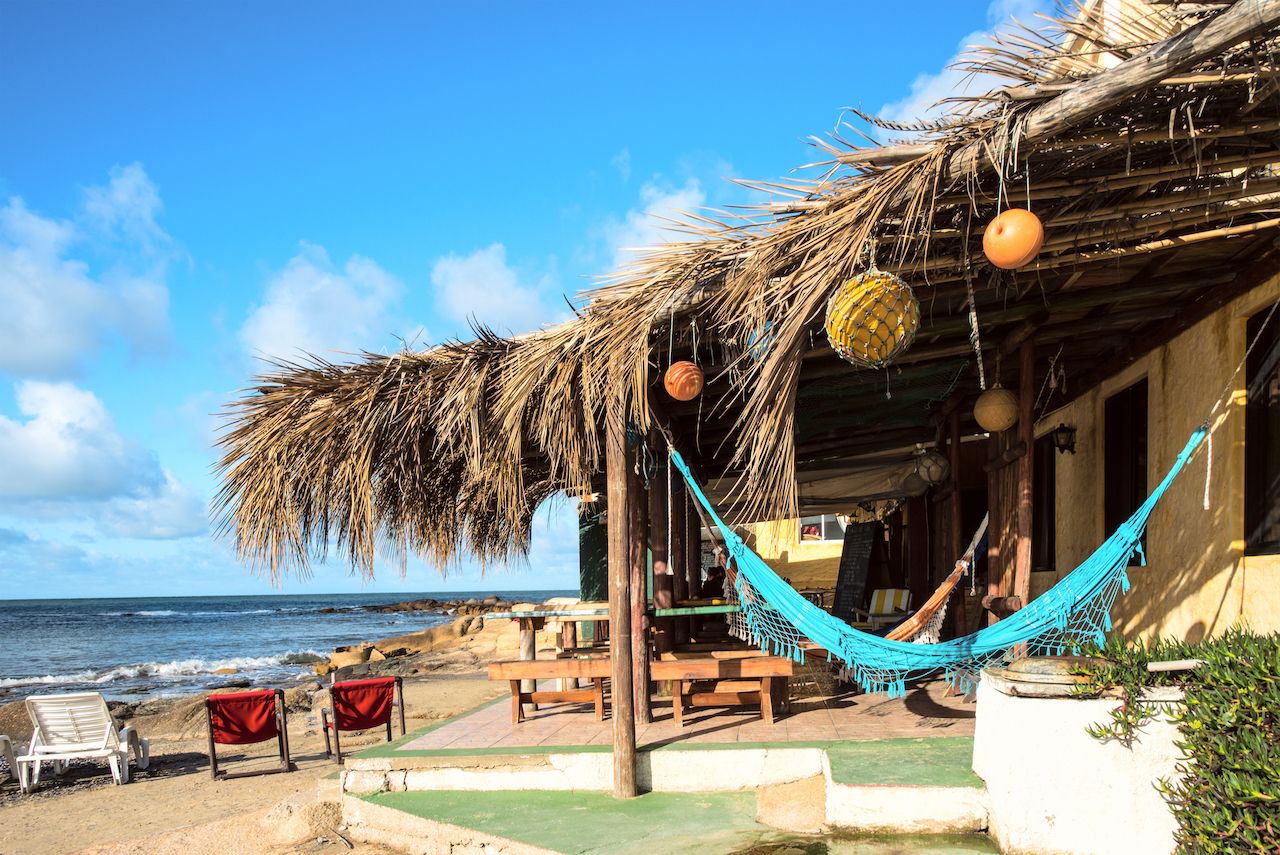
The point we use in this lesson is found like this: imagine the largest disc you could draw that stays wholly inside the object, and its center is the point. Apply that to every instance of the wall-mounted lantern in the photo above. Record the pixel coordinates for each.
(1064, 439)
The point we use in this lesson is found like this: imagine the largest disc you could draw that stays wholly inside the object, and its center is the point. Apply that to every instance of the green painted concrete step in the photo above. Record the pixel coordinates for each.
(584, 823)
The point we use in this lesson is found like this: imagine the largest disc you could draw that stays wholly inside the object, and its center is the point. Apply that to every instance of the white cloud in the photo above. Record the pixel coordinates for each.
(644, 227)
(928, 89)
(67, 460)
(127, 207)
(483, 287)
(67, 448)
(58, 311)
(34, 557)
(314, 307)
(622, 163)
(172, 510)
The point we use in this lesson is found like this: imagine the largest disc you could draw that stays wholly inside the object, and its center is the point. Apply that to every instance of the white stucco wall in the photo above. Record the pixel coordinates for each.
(1052, 788)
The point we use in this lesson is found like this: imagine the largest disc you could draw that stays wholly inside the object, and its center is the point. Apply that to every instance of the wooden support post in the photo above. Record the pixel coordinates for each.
(955, 617)
(678, 558)
(994, 523)
(917, 552)
(638, 552)
(693, 558)
(528, 651)
(1026, 438)
(664, 590)
(624, 723)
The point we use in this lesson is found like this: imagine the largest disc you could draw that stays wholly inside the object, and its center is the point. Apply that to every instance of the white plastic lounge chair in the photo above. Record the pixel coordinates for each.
(75, 727)
(6, 751)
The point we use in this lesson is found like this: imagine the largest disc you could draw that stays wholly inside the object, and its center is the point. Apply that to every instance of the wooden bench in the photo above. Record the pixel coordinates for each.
(513, 671)
(747, 681)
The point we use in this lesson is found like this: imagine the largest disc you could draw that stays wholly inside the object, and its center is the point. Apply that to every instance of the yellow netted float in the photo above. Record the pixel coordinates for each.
(872, 318)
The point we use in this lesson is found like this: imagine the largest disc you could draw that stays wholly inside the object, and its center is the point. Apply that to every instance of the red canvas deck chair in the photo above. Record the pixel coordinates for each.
(360, 705)
(246, 718)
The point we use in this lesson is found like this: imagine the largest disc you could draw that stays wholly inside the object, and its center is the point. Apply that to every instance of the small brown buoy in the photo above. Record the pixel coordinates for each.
(1013, 239)
(683, 380)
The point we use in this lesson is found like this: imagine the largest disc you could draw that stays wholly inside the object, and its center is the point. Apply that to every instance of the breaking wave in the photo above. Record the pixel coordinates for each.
(176, 670)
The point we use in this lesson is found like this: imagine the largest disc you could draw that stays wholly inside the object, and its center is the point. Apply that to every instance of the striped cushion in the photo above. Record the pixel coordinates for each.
(886, 601)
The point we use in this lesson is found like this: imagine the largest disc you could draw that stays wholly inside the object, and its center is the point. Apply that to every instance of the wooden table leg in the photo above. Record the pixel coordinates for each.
(766, 699)
(517, 713)
(599, 681)
(677, 702)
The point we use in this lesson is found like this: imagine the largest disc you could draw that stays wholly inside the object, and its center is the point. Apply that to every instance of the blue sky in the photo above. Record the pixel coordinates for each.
(186, 187)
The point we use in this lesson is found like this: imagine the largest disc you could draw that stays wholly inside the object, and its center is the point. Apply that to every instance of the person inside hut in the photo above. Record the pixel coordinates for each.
(713, 585)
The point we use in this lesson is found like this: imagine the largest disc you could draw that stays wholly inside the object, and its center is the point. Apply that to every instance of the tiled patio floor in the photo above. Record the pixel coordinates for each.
(924, 711)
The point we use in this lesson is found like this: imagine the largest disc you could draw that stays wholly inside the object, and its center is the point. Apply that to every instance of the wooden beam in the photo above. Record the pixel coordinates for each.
(624, 723)
(1187, 317)
(1110, 88)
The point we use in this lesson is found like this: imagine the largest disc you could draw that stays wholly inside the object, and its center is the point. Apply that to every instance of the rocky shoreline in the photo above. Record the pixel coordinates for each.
(460, 648)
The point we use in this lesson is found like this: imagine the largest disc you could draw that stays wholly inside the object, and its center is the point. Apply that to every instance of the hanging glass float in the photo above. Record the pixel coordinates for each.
(1013, 239)
(932, 467)
(872, 318)
(683, 380)
(996, 409)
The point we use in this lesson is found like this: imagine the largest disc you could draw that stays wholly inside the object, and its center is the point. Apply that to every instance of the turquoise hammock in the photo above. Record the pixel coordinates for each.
(1074, 611)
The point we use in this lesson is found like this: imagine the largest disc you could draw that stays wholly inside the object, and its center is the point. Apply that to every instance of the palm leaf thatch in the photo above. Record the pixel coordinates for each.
(451, 450)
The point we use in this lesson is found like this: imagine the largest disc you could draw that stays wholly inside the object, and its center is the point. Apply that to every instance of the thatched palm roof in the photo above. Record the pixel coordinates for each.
(1142, 190)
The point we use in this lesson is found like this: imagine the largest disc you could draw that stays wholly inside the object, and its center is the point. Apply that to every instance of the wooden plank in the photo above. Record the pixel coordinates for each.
(722, 669)
(723, 699)
(559, 614)
(624, 723)
(549, 669)
(638, 561)
(678, 611)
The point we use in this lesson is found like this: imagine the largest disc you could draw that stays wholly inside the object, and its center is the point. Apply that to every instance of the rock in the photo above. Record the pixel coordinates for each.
(225, 671)
(298, 698)
(390, 652)
(376, 655)
(15, 723)
(343, 657)
(796, 806)
(302, 820)
(328, 610)
(230, 685)
(322, 669)
(489, 601)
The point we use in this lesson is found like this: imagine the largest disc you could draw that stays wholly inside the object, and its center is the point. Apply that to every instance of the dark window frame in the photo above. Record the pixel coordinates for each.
(1262, 437)
(1126, 441)
(1044, 491)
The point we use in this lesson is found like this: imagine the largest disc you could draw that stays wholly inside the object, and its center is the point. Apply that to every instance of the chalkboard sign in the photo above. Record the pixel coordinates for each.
(855, 558)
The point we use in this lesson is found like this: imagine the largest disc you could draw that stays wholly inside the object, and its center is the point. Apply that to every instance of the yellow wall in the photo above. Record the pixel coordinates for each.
(808, 564)
(1198, 581)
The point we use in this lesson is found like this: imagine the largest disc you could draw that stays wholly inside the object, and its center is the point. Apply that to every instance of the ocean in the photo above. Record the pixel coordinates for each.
(145, 647)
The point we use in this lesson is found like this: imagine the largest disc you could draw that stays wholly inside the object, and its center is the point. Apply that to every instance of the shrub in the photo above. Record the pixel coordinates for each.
(1228, 799)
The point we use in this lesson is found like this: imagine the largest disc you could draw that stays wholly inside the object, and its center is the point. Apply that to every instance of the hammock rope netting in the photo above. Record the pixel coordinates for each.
(1073, 612)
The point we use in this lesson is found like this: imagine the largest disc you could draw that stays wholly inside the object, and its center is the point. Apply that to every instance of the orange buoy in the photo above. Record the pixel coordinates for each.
(1013, 239)
(683, 380)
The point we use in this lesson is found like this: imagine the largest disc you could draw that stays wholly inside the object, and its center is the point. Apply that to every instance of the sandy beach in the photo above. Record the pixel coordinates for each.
(174, 807)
